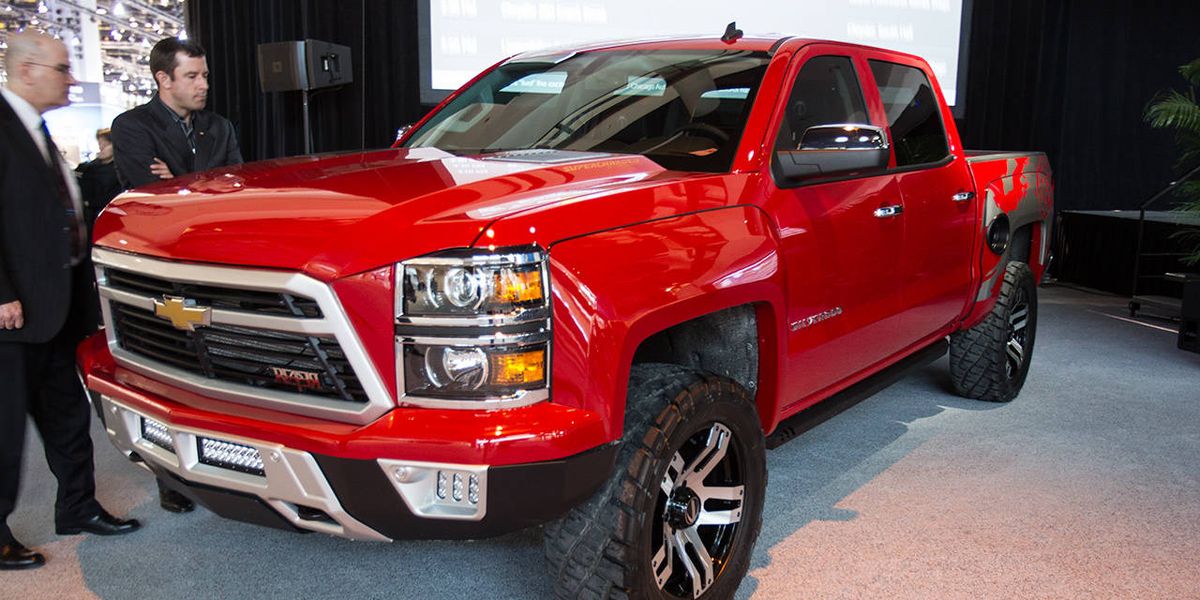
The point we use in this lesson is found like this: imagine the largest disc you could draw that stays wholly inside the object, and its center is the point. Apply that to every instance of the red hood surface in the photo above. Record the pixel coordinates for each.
(336, 215)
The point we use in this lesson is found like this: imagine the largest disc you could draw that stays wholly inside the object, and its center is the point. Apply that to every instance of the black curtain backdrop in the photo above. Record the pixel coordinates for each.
(1072, 78)
(382, 36)
(1067, 77)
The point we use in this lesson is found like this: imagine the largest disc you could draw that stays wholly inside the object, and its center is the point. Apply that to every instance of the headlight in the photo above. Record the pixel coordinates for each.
(463, 284)
(473, 329)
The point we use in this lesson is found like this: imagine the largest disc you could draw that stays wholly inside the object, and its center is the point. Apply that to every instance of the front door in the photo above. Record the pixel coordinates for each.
(839, 248)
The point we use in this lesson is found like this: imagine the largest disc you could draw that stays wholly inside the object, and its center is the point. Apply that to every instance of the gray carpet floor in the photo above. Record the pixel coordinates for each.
(1086, 486)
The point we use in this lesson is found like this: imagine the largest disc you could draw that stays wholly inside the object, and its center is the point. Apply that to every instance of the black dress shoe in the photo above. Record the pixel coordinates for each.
(172, 501)
(100, 523)
(14, 555)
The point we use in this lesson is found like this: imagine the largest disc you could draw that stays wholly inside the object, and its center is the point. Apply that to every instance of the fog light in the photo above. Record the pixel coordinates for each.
(438, 491)
(156, 433)
(229, 455)
(457, 487)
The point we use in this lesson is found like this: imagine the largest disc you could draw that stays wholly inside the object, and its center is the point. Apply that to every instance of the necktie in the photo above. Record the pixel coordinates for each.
(74, 227)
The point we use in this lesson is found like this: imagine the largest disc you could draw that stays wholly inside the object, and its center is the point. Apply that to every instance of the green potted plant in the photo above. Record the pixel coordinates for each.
(1180, 112)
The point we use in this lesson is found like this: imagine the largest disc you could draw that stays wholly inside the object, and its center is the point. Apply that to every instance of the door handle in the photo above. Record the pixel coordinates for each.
(885, 212)
(962, 196)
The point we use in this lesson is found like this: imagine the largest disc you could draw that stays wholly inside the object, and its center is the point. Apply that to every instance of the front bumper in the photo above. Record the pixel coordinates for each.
(401, 477)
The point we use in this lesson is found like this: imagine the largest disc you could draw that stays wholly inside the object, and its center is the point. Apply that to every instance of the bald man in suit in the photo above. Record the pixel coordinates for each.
(45, 300)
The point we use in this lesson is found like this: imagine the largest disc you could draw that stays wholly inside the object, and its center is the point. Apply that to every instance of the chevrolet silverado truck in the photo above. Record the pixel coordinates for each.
(585, 291)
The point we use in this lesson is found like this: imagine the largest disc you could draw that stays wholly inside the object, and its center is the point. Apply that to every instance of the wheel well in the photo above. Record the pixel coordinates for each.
(1021, 244)
(724, 342)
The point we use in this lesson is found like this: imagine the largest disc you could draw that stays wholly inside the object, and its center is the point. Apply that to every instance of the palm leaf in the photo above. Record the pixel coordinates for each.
(1191, 72)
(1173, 110)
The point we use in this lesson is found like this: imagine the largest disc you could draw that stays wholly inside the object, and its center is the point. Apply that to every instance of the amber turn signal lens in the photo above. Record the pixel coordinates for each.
(518, 286)
(518, 368)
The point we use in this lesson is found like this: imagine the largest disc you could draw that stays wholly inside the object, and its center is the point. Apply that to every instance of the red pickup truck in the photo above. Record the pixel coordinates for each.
(581, 292)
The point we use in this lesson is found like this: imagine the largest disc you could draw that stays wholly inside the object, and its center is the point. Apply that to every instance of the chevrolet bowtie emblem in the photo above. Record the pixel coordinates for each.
(182, 316)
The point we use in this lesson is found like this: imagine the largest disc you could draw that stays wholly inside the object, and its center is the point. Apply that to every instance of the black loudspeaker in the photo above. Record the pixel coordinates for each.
(1189, 324)
(303, 65)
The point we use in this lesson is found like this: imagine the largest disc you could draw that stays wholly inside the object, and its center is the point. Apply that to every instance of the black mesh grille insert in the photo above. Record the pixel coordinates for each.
(287, 362)
(268, 303)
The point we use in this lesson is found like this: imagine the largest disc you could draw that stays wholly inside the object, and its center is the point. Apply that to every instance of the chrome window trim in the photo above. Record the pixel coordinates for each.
(335, 322)
(291, 477)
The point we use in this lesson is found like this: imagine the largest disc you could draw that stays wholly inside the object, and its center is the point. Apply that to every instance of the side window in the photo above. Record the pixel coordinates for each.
(826, 92)
(913, 113)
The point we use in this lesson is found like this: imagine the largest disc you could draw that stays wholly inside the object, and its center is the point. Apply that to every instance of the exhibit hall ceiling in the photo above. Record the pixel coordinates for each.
(109, 40)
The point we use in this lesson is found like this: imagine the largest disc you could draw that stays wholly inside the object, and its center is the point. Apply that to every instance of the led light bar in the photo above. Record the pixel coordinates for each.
(156, 433)
(228, 455)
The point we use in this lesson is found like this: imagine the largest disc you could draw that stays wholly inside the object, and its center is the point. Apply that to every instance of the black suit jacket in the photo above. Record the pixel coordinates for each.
(142, 134)
(35, 245)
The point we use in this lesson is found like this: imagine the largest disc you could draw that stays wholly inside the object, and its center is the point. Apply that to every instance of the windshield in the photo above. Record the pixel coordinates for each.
(684, 109)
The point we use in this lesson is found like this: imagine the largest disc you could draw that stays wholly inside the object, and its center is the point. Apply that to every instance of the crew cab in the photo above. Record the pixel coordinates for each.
(582, 292)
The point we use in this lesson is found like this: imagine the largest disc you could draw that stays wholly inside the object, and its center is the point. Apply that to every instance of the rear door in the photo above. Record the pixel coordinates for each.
(939, 211)
(843, 288)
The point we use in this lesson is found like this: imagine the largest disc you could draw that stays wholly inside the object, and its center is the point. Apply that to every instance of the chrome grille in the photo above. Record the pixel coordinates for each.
(309, 365)
(259, 302)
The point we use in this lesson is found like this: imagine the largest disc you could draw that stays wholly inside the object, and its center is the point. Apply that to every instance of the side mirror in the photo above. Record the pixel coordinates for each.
(827, 150)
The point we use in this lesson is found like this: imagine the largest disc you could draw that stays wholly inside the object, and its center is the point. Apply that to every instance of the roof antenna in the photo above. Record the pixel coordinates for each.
(732, 33)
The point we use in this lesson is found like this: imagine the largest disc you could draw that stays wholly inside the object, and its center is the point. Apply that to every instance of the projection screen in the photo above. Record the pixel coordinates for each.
(460, 38)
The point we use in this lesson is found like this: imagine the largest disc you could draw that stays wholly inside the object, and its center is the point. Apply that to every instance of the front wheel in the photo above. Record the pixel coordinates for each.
(680, 514)
(991, 360)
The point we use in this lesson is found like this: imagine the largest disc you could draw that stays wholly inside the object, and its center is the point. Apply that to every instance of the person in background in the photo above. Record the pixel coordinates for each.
(98, 180)
(172, 135)
(46, 282)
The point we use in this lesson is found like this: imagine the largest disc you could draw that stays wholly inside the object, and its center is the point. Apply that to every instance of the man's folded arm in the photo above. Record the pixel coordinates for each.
(133, 152)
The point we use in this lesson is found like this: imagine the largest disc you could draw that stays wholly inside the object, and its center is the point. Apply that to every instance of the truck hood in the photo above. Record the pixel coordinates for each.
(336, 215)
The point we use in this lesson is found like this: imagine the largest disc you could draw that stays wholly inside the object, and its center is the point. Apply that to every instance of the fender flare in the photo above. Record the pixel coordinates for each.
(613, 289)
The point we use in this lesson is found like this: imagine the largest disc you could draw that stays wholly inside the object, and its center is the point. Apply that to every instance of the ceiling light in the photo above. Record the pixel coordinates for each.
(119, 9)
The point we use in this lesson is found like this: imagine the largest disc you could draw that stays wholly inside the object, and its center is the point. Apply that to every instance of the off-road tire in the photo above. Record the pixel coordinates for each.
(983, 364)
(602, 548)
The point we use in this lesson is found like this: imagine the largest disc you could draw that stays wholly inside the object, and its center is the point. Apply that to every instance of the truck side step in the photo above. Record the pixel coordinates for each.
(797, 424)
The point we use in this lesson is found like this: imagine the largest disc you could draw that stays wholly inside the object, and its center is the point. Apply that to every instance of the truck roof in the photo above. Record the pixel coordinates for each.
(755, 43)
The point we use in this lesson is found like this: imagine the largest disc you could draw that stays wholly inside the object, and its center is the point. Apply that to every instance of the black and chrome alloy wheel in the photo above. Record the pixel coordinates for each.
(700, 509)
(680, 514)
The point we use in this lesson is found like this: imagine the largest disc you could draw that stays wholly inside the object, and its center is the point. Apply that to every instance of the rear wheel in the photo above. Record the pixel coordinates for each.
(683, 508)
(991, 360)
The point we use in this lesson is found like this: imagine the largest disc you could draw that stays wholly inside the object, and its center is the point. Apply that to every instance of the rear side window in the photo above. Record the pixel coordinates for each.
(826, 92)
(913, 113)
